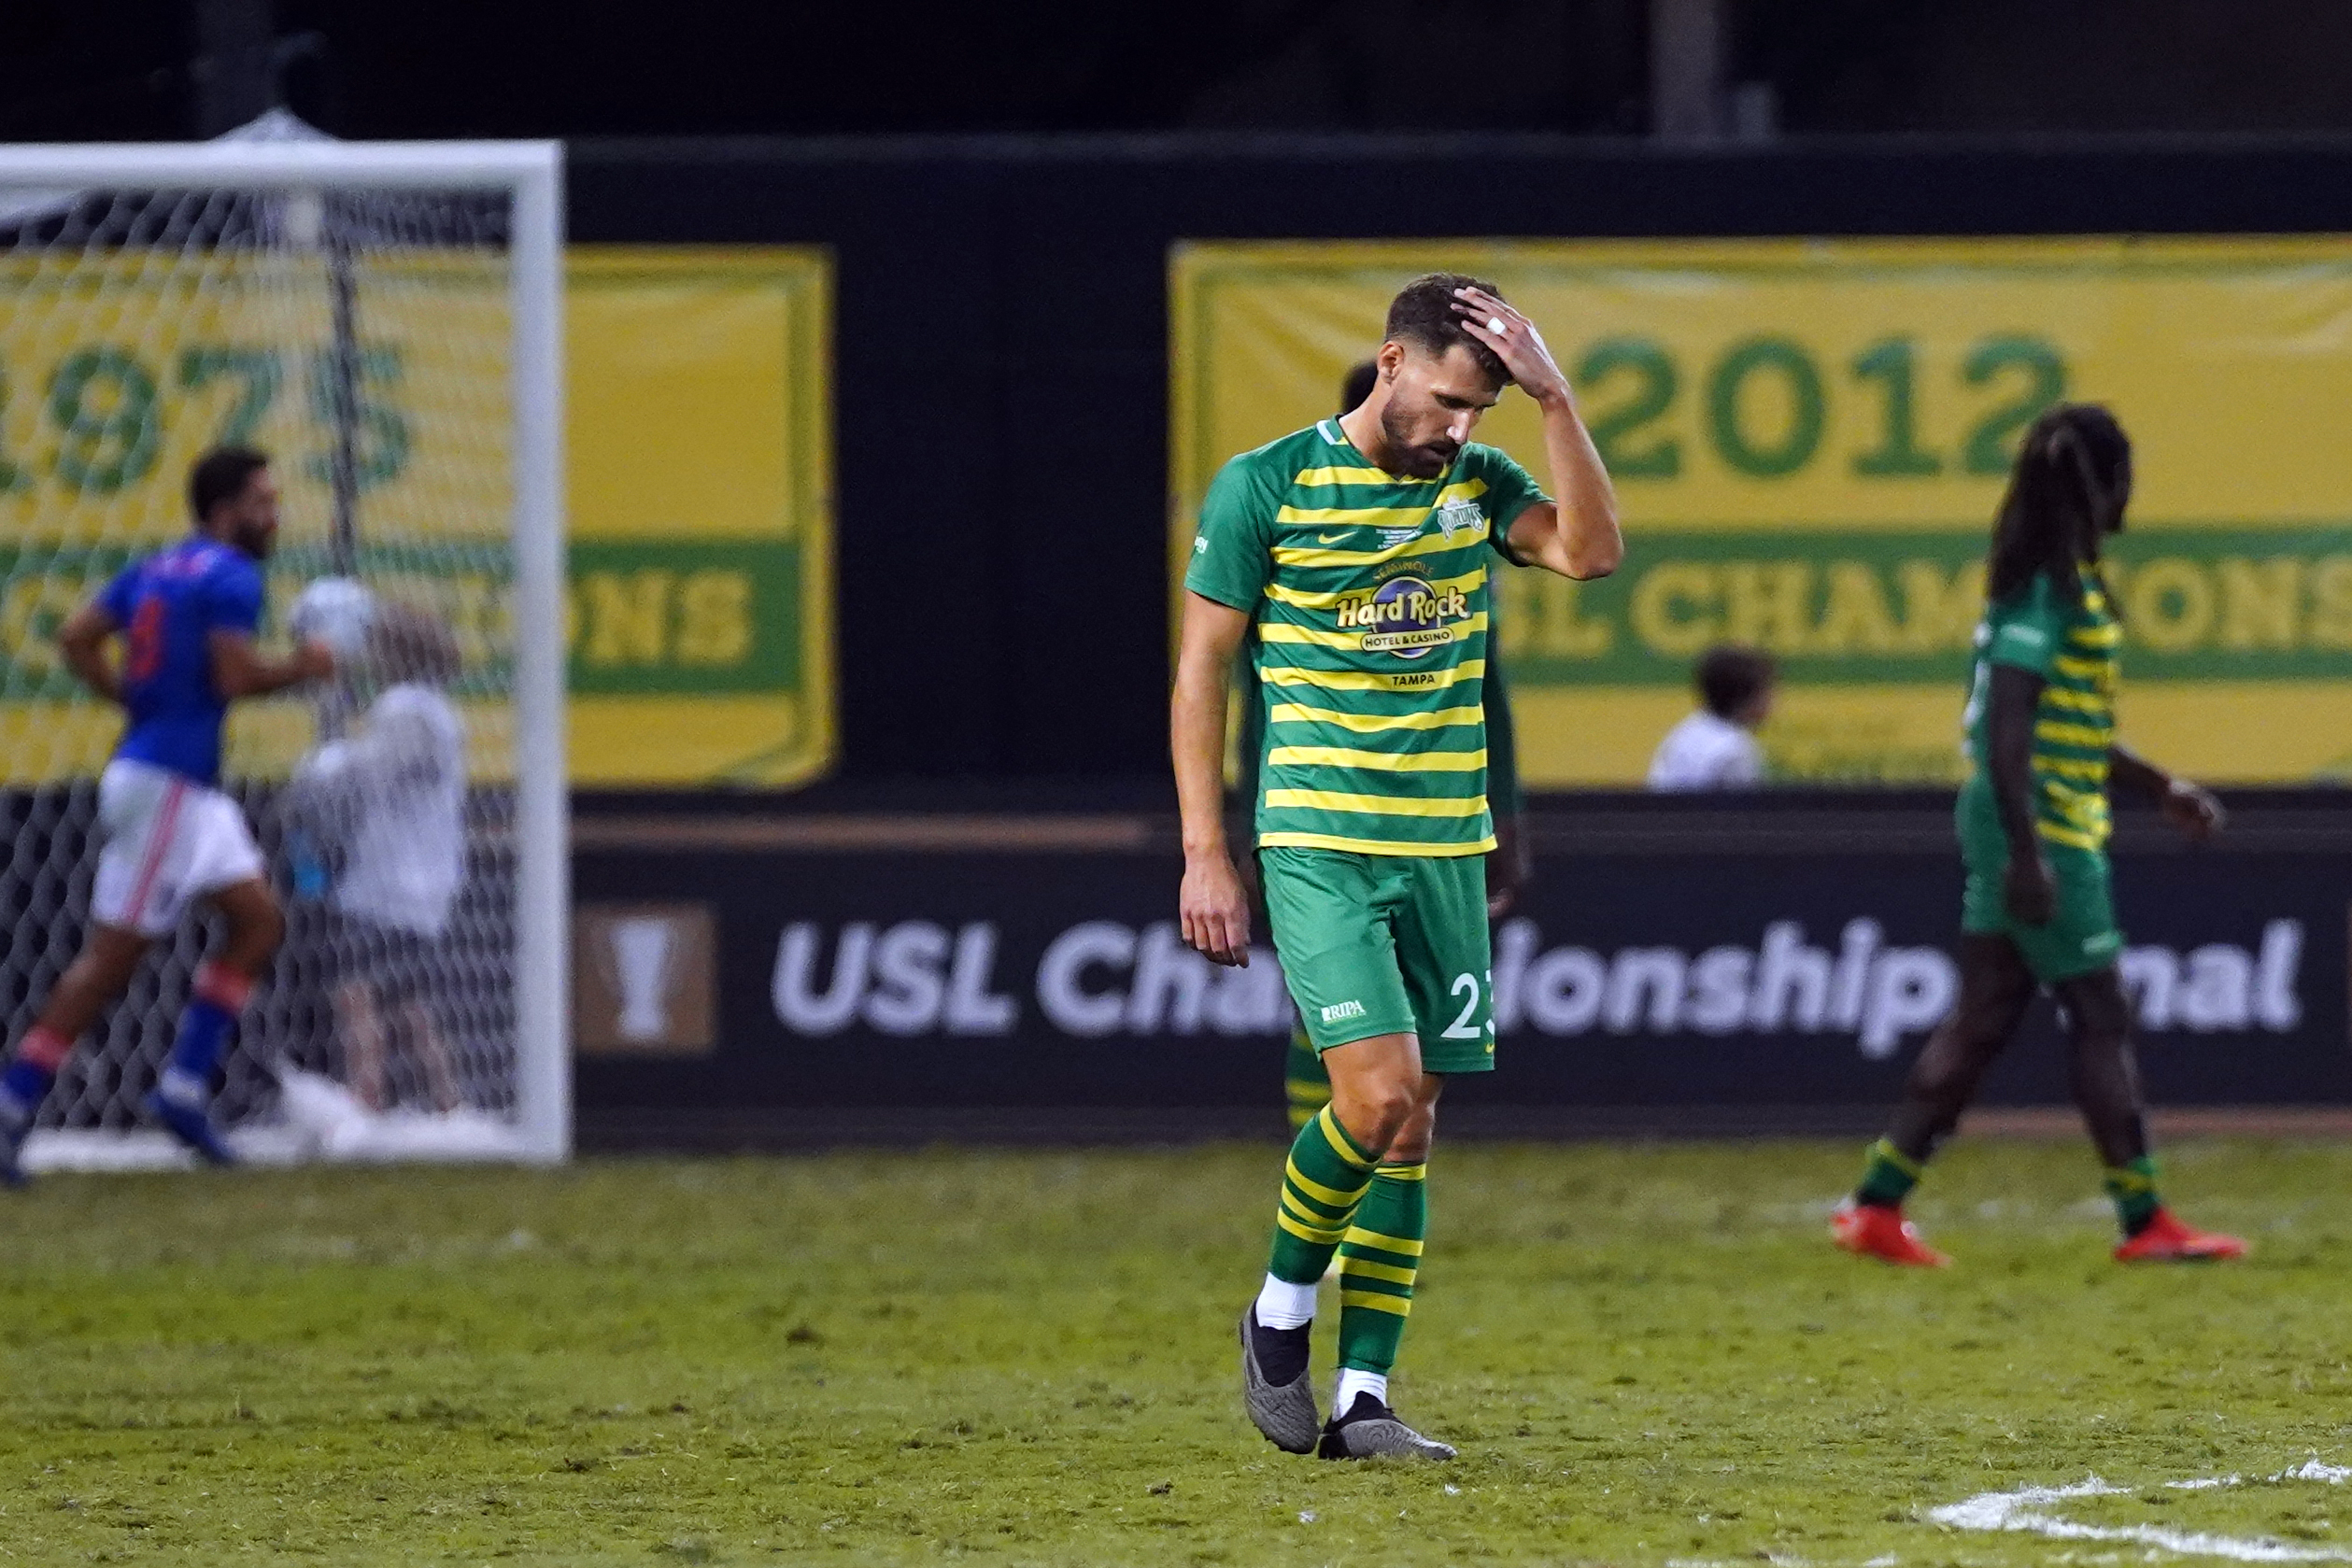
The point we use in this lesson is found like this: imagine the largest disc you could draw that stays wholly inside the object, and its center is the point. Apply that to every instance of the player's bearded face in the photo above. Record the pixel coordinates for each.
(253, 527)
(1433, 405)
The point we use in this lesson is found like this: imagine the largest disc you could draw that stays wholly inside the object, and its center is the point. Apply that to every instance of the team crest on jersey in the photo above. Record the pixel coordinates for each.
(1406, 617)
(1456, 515)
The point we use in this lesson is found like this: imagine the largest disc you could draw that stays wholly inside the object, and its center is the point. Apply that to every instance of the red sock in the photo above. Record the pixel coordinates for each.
(223, 987)
(44, 1048)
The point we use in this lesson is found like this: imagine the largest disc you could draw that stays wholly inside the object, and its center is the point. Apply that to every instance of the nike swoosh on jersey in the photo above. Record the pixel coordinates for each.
(1331, 538)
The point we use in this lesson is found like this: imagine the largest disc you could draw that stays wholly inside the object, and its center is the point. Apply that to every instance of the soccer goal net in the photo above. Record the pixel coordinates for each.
(382, 322)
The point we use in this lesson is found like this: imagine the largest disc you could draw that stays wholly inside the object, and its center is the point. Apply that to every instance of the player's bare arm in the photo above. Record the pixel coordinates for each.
(2028, 888)
(239, 669)
(2189, 807)
(1214, 905)
(1577, 535)
(82, 640)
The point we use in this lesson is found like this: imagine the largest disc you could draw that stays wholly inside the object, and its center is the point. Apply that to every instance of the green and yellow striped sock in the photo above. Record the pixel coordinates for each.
(1378, 1261)
(1322, 1184)
(1888, 1175)
(2132, 1188)
(1304, 1080)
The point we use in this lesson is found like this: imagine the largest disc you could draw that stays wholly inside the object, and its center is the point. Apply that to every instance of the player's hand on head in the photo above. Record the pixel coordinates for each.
(1515, 341)
(2028, 890)
(1214, 910)
(2194, 809)
(315, 659)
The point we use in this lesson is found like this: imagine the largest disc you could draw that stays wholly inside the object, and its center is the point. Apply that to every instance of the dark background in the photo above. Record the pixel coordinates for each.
(1000, 186)
(101, 70)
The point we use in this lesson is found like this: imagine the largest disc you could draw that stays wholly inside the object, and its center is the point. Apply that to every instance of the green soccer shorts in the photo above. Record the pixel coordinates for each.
(2082, 937)
(1386, 944)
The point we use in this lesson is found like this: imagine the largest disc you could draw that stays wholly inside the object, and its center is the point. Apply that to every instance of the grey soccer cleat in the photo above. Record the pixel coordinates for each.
(1371, 1429)
(1285, 1411)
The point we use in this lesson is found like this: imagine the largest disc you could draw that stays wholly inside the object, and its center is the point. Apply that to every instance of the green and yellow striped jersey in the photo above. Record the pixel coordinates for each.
(1368, 596)
(2075, 645)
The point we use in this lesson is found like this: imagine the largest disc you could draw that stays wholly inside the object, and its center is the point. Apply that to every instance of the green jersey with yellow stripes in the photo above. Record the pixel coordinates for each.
(1369, 597)
(2073, 642)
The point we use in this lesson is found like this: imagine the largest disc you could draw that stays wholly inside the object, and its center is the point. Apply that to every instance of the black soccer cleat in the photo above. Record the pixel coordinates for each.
(11, 1154)
(1370, 1428)
(1274, 1386)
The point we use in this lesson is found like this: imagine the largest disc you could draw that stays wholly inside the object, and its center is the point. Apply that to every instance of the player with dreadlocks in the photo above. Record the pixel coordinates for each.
(2034, 822)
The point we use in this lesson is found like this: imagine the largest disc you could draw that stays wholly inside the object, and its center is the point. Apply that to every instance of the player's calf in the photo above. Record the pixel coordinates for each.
(1323, 1181)
(222, 988)
(183, 1096)
(96, 977)
(22, 1088)
(26, 1083)
(256, 926)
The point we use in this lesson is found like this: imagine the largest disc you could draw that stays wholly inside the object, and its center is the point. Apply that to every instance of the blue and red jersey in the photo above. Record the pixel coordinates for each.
(168, 606)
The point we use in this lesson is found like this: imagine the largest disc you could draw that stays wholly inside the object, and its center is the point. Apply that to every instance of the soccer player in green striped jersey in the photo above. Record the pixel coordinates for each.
(1306, 1086)
(2032, 819)
(1357, 552)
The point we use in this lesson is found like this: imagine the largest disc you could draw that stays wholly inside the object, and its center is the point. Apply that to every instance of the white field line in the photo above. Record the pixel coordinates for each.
(2018, 1510)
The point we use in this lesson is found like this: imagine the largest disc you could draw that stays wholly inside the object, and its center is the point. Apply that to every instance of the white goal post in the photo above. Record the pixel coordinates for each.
(386, 320)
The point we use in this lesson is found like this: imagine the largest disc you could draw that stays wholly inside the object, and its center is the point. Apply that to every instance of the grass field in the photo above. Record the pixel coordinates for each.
(1647, 1354)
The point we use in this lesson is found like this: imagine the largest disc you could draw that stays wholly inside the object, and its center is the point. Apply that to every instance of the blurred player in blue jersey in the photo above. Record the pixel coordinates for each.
(187, 617)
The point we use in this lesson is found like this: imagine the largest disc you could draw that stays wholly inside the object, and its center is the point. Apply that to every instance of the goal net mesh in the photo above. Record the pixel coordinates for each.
(363, 340)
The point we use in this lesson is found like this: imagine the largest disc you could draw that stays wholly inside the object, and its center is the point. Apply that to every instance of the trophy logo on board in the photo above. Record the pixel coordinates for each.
(645, 979)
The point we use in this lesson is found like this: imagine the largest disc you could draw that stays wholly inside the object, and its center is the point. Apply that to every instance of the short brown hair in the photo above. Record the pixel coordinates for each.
(1729, 676)
(1423, 315)
(221, 475)
(407, 643)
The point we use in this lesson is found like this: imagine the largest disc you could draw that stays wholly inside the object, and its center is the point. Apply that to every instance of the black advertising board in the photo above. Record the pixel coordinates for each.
(1657, 967)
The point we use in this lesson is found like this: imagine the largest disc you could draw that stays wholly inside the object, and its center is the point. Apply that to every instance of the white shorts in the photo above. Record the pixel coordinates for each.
(168, 839)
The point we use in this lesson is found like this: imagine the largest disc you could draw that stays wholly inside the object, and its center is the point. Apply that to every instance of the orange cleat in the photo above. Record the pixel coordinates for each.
(1877, 1230)
(2165, 1240)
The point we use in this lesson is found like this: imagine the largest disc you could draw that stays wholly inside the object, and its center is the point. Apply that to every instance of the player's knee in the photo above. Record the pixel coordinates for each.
(255, 936)
(1399, 1101)
(1412, 1140)
(1942, 1075)
(2101, 1043)
(90, 980)
(2099, 1029)
(1378, 1112)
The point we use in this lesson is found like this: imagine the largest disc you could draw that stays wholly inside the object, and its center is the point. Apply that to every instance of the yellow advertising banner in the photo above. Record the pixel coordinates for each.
(701, 503)
(1809, 439)
(700, 594)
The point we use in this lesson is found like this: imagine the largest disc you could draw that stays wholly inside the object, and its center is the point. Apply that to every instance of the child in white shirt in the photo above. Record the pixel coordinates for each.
(1716, 748)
